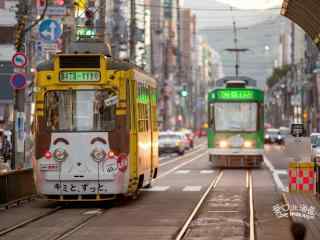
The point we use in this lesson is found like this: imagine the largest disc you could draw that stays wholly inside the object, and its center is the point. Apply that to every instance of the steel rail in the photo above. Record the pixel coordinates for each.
(27, 222)
(252, 224)
(212, 186)
(82, 224)
(77, 227)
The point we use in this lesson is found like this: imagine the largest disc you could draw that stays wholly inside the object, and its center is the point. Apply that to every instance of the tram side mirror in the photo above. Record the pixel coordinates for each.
(111, 101)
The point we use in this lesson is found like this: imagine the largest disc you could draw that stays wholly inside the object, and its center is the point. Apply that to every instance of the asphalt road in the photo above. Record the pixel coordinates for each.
(161, 211)
(279, 157)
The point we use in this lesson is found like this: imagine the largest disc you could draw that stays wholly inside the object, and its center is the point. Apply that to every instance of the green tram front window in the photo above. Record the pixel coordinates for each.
(235, 117)
(80, 110)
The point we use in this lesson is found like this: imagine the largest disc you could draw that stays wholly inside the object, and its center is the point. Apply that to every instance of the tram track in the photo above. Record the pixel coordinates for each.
(66, 232)
(28, 221)
(198, 213)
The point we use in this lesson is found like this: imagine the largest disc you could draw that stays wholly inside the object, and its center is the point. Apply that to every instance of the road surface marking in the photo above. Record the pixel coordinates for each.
(205, 154)
(182, 172)
(192, 189)
(281, 172)
(275, 175)
(156, 189)
(197, 149)
(93, 212)
(207, 171)
(223, 211)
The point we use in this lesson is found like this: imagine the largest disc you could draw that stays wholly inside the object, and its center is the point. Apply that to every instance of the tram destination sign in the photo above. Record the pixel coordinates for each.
(235, 95)
(80, 76)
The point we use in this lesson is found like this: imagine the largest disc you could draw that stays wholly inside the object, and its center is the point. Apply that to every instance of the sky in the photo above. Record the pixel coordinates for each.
(258, 30)
(253, 4)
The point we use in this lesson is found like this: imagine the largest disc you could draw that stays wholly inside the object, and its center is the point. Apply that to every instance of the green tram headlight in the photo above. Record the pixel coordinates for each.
(248, 144)
(223, 144)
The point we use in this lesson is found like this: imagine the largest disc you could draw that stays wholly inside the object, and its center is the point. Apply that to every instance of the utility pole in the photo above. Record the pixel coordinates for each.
(179, 72)
(17, 156)
(236, 50)
(133, 32)
(23, 16)
(101, 21)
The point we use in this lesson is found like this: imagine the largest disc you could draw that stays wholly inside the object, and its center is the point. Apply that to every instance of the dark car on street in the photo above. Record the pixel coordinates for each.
(273, 136)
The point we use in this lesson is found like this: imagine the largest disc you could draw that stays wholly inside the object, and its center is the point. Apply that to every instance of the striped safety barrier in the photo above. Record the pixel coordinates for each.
(302, 177)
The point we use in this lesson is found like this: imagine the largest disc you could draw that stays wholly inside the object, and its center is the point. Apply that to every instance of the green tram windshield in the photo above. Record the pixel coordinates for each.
(235, 117)
(235, 109)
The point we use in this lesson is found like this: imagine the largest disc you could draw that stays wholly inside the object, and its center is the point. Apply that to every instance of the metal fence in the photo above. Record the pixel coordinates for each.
(16, 185)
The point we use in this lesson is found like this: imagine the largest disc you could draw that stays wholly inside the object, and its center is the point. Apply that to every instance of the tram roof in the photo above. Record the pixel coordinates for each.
(249, 81)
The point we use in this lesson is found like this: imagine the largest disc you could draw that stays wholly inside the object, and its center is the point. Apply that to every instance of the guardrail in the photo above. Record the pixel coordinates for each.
(16, 185)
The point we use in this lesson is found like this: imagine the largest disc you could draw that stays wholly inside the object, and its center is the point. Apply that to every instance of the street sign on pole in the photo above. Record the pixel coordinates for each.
(18, 81)
(54, 11)
(50, 30)
(19, 60)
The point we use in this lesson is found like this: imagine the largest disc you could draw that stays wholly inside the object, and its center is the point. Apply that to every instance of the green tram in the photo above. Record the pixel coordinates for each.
(236, 125)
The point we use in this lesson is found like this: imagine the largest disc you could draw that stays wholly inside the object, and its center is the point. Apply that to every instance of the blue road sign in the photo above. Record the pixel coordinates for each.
(18, 81)
(50, 30)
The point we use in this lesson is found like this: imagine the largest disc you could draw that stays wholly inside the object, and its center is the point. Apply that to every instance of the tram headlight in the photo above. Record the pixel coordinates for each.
(223, 144)
(60, 154)
(98, 155)
(248, 144)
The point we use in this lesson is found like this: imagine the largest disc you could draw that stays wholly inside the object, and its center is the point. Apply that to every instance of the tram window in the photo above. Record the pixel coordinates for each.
(236, 117)
(81, 110)
(211, 115)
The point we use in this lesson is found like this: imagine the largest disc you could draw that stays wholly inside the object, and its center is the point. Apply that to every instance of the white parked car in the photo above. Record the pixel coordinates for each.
(172, 142)
(315, 146)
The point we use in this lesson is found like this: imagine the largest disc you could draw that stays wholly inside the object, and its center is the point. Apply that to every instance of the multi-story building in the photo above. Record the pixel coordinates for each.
(7, 49)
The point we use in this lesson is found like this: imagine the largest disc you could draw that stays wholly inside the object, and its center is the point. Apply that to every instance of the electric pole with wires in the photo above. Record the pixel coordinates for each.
(236, 49)
(18, 81)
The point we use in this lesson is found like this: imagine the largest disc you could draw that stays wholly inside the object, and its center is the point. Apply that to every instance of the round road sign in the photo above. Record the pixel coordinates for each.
(50, 30)
(19, 59)
(18, 81)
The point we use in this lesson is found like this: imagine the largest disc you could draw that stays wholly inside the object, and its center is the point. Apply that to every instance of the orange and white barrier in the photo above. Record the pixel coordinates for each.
(302, 177)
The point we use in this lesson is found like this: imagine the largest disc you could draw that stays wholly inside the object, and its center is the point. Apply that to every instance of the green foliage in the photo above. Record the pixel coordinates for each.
(277, 74)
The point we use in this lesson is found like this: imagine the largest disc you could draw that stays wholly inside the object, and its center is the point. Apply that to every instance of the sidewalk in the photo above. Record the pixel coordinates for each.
(305, 208)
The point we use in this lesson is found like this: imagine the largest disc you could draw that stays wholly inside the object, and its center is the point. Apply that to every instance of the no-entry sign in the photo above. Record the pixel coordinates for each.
(19, 59)
(18, 81)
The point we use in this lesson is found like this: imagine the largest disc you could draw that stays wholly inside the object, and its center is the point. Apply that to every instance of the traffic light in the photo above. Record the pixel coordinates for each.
(89, 23)
(184, 92)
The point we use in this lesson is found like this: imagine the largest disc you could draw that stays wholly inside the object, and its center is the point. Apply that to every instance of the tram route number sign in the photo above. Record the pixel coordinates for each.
(235, 94)
(80, 76)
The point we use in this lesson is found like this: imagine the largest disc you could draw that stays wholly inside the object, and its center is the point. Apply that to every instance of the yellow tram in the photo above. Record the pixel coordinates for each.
(96, 133)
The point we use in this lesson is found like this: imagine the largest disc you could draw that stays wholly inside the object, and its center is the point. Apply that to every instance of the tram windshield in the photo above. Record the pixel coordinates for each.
(235, 117)
(81, 110)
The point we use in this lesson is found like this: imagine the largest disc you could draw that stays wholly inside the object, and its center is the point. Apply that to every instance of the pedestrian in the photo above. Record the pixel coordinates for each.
(6, 149)
(298, 231)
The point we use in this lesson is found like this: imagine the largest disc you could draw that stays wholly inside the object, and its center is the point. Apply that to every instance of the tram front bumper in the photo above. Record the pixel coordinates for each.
(236, 157)
(236, 152)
